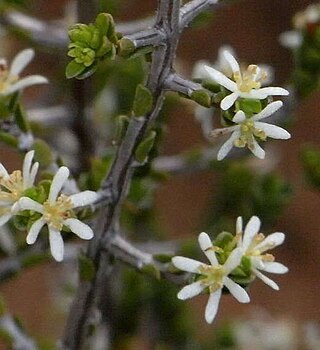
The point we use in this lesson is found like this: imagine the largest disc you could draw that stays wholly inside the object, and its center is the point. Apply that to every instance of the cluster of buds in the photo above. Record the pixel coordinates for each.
(243, 102)
(235, 261)
(90, 44)
(33, 207)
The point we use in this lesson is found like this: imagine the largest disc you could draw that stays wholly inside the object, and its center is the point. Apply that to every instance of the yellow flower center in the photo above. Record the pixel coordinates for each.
(248, 132)
(253, 252)
(55, 213)
(12, 187)
(213, 277)
(248, 79)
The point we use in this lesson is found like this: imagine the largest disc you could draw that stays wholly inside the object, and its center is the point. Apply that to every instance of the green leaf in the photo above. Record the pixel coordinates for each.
(74, 69)
(8, 139)
(122, 123)
(163, 258)
(249, 106)
(126, 47)
(223, 239)
(202, 97)
(143, 101)
(43, 153)
(21, 120)
(152, 271)
(102, 23)
(86, 268)
(145, 147)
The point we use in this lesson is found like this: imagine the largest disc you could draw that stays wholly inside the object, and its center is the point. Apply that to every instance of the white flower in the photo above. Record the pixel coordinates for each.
(10, 81)
(56, 212)
(213, 276)
(255, 244)
(248, 129)
(13, 186)
(245, 84)
(310, 15)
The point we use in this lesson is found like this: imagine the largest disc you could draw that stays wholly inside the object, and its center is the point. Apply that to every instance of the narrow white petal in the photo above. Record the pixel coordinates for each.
(79, 228)
(56, 244)
(239, 225)
(271, 241)
(239, 117)
(33, 174)
(83, 198)
(274, 91)
(229, 100)
(233, 260)
(266, 280)
(273, 131)
(274, 267)
(207, 247)
(25, 82)
(257, 150)
(221, 79)
(19, 63)
(3, 171)
(186, 264)
(237, 291)
(5, 218)
(227, 146)
(257, 262)
(34, 231)
(26, 203)
(212, 306)
(191, 290)
(251, 229)
(232, 61)
(58, 181)
(26, 168)
(270, 109)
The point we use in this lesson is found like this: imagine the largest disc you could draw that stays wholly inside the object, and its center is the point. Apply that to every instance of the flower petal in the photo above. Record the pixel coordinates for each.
(83, 198)
(221, 79)
(251, 229)
(271, 241)
(33, 174)
(79, 228)
(58, 181)
(233, 260)
(3, 171)
(56, 244)
(273, 91)
(34, 231)
(26, 168)
(19, 63)
(239, 117)
(257, 150)
(232, 61)
(274, 267)
(270, 109)
(266, 280)
(239, 225)
(5, 218)
(229, 100)
(227, 146)
(186, 264)
(206, 246)
(212, 306)
(273, 131)
(25, 82)
(191, 290)
(237, 291)
(26, 203)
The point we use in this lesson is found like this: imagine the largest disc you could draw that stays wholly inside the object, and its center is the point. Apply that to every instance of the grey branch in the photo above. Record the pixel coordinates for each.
(176, 83)
(19, 340)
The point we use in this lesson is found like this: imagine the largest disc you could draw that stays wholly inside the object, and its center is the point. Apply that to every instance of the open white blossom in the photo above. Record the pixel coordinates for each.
(213, 276)
(254, 245)
(245, 84)
(12, 186)
(56, 213)
(248, 130)
(10, 80)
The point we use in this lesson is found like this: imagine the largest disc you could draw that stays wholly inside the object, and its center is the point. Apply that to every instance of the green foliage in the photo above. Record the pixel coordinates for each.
(249, 106)
(310, 156)
(90, 44)
(143, 101)
(202, 97)
(145, 147)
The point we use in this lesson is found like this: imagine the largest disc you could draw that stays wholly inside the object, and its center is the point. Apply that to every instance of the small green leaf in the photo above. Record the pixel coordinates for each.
(202, 97)
(143, 101)
(43, 153)
(249, 106)
(163, 258)
(223, 239)
(145, 147)
(102, 23)
(122, 123)
(126, 47)
(152, 271)
(86, 268)
(8, 139)
(21, 120)
(74, 69)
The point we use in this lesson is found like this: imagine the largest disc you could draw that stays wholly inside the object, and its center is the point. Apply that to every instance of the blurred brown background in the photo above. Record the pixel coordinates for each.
(252, 28)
